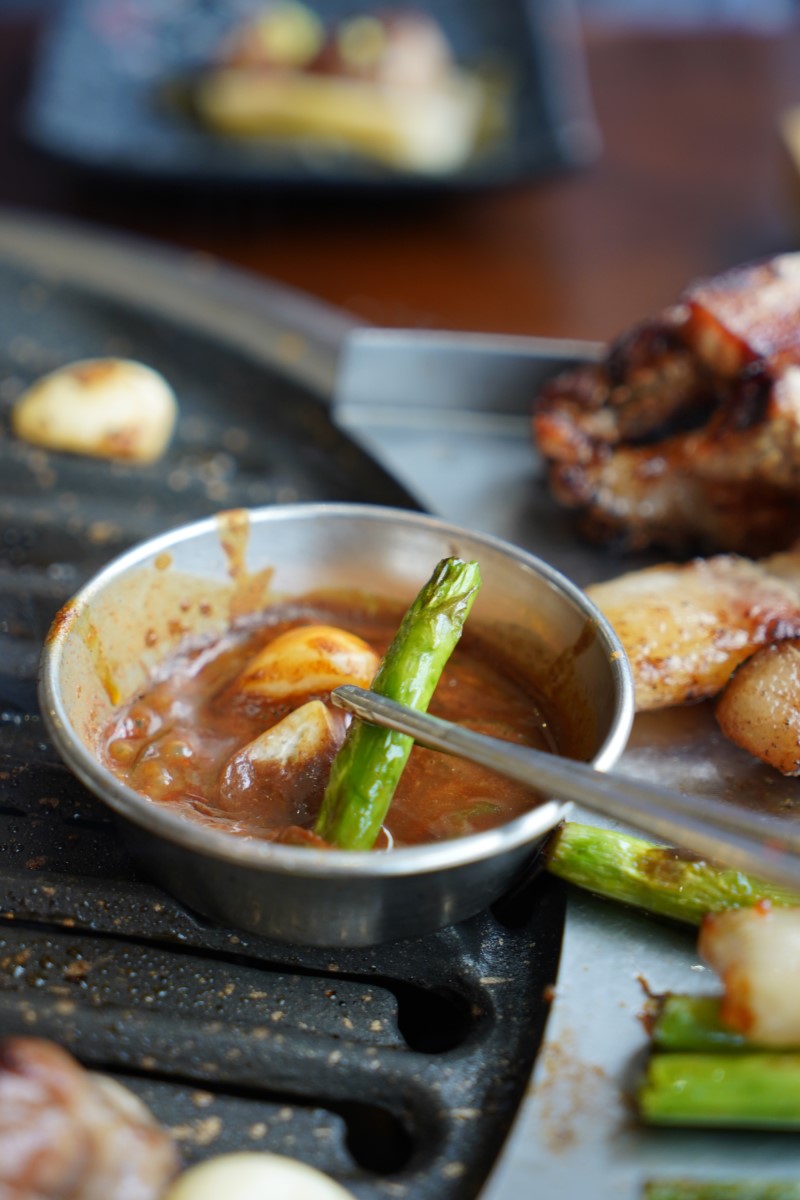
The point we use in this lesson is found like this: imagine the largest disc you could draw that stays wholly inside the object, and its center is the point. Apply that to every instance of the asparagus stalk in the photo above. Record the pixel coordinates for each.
(691, 1023)
(709, 1189)
(658, 879)
(745, 1091)
(369, 764)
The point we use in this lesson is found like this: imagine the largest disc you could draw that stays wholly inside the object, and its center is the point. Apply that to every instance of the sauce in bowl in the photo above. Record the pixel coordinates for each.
(174, 742)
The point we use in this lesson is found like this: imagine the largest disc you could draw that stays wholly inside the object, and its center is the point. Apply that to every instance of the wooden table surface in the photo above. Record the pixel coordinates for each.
(692, 178)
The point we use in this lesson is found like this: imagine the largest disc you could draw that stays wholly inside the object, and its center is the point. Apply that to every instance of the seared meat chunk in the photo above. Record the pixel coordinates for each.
(66, 1134)
(687, 435)
(686, 628)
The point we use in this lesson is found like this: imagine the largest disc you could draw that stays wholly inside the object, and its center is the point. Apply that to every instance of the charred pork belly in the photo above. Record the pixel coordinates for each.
(687, 434)
(66, 1134)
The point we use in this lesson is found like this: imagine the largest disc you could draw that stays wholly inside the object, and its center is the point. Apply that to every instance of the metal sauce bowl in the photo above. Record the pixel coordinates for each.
(196, 579)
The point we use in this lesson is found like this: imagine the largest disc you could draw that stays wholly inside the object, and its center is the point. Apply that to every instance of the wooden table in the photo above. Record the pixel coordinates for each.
(692, 179)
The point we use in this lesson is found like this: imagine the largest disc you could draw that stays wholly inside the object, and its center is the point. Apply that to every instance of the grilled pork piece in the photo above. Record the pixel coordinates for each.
(718, 625)
(66, 1134)
(686, 628)
(687, 435)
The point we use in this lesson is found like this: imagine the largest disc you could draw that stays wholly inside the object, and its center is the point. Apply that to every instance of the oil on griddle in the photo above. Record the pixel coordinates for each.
(397, 1071)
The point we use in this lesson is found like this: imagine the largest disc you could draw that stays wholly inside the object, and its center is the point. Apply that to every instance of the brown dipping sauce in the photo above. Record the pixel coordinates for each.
(172, 742)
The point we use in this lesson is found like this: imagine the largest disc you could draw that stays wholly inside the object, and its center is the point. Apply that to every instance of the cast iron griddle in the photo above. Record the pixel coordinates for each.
(397, 1070)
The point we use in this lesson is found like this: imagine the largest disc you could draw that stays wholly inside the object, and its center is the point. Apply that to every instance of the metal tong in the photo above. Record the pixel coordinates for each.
(762, 844)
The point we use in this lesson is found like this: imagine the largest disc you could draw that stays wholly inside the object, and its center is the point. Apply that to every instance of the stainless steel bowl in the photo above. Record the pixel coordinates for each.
(195, 580)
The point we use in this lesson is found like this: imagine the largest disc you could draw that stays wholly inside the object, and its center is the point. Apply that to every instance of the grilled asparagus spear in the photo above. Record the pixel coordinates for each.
(658, 879)
(745, 1091)
(691, 1023)
(712, 1189)
(369, 764)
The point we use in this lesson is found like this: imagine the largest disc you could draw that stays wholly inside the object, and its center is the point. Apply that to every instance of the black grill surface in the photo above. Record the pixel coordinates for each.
(396, 1070)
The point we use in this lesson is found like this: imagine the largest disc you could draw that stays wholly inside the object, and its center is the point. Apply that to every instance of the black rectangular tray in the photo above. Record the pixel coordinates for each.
(104, 66)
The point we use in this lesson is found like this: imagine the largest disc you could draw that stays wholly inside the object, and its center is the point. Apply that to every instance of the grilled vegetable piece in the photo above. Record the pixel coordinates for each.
(291, 759)
(67, 1133)
(307, 661)
(757, 955)
(714, 1189)
(367, 769)
(691, 1023)
(103, 407)
(255, 1176)
(745, 1091)
(658, 879)
(686, 628)
(760, 708)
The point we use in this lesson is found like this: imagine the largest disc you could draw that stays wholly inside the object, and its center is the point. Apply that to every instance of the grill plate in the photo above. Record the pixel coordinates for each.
(396, 1070)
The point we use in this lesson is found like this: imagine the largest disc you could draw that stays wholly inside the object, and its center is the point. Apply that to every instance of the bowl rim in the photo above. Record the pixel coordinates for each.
(241, 852)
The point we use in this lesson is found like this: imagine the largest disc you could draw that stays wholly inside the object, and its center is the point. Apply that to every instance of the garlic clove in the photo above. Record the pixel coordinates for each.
(291, 759)
(105, 407)
(308, 660)
(250, 1175)
(304, 734)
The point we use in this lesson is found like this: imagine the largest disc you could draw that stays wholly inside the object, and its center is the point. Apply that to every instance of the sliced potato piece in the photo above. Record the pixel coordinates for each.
(249, 1175)
(760, 708)
(306, 661)
(103, 407)
(756, 952)
(686, 628)
(291, 759)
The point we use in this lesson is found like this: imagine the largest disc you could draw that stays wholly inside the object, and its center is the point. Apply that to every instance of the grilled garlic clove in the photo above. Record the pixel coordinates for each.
(291, 759)
(103, 407)
(305, 734)
(249, 1175)
(756, 952)
(308, 660)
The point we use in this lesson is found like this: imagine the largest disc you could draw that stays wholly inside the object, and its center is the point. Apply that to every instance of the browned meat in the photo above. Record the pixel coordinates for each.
(687, 435)
(68, 1135)
(686, 628)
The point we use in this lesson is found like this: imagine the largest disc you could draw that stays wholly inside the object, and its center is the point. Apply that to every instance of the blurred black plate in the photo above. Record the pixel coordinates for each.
(97, 99)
